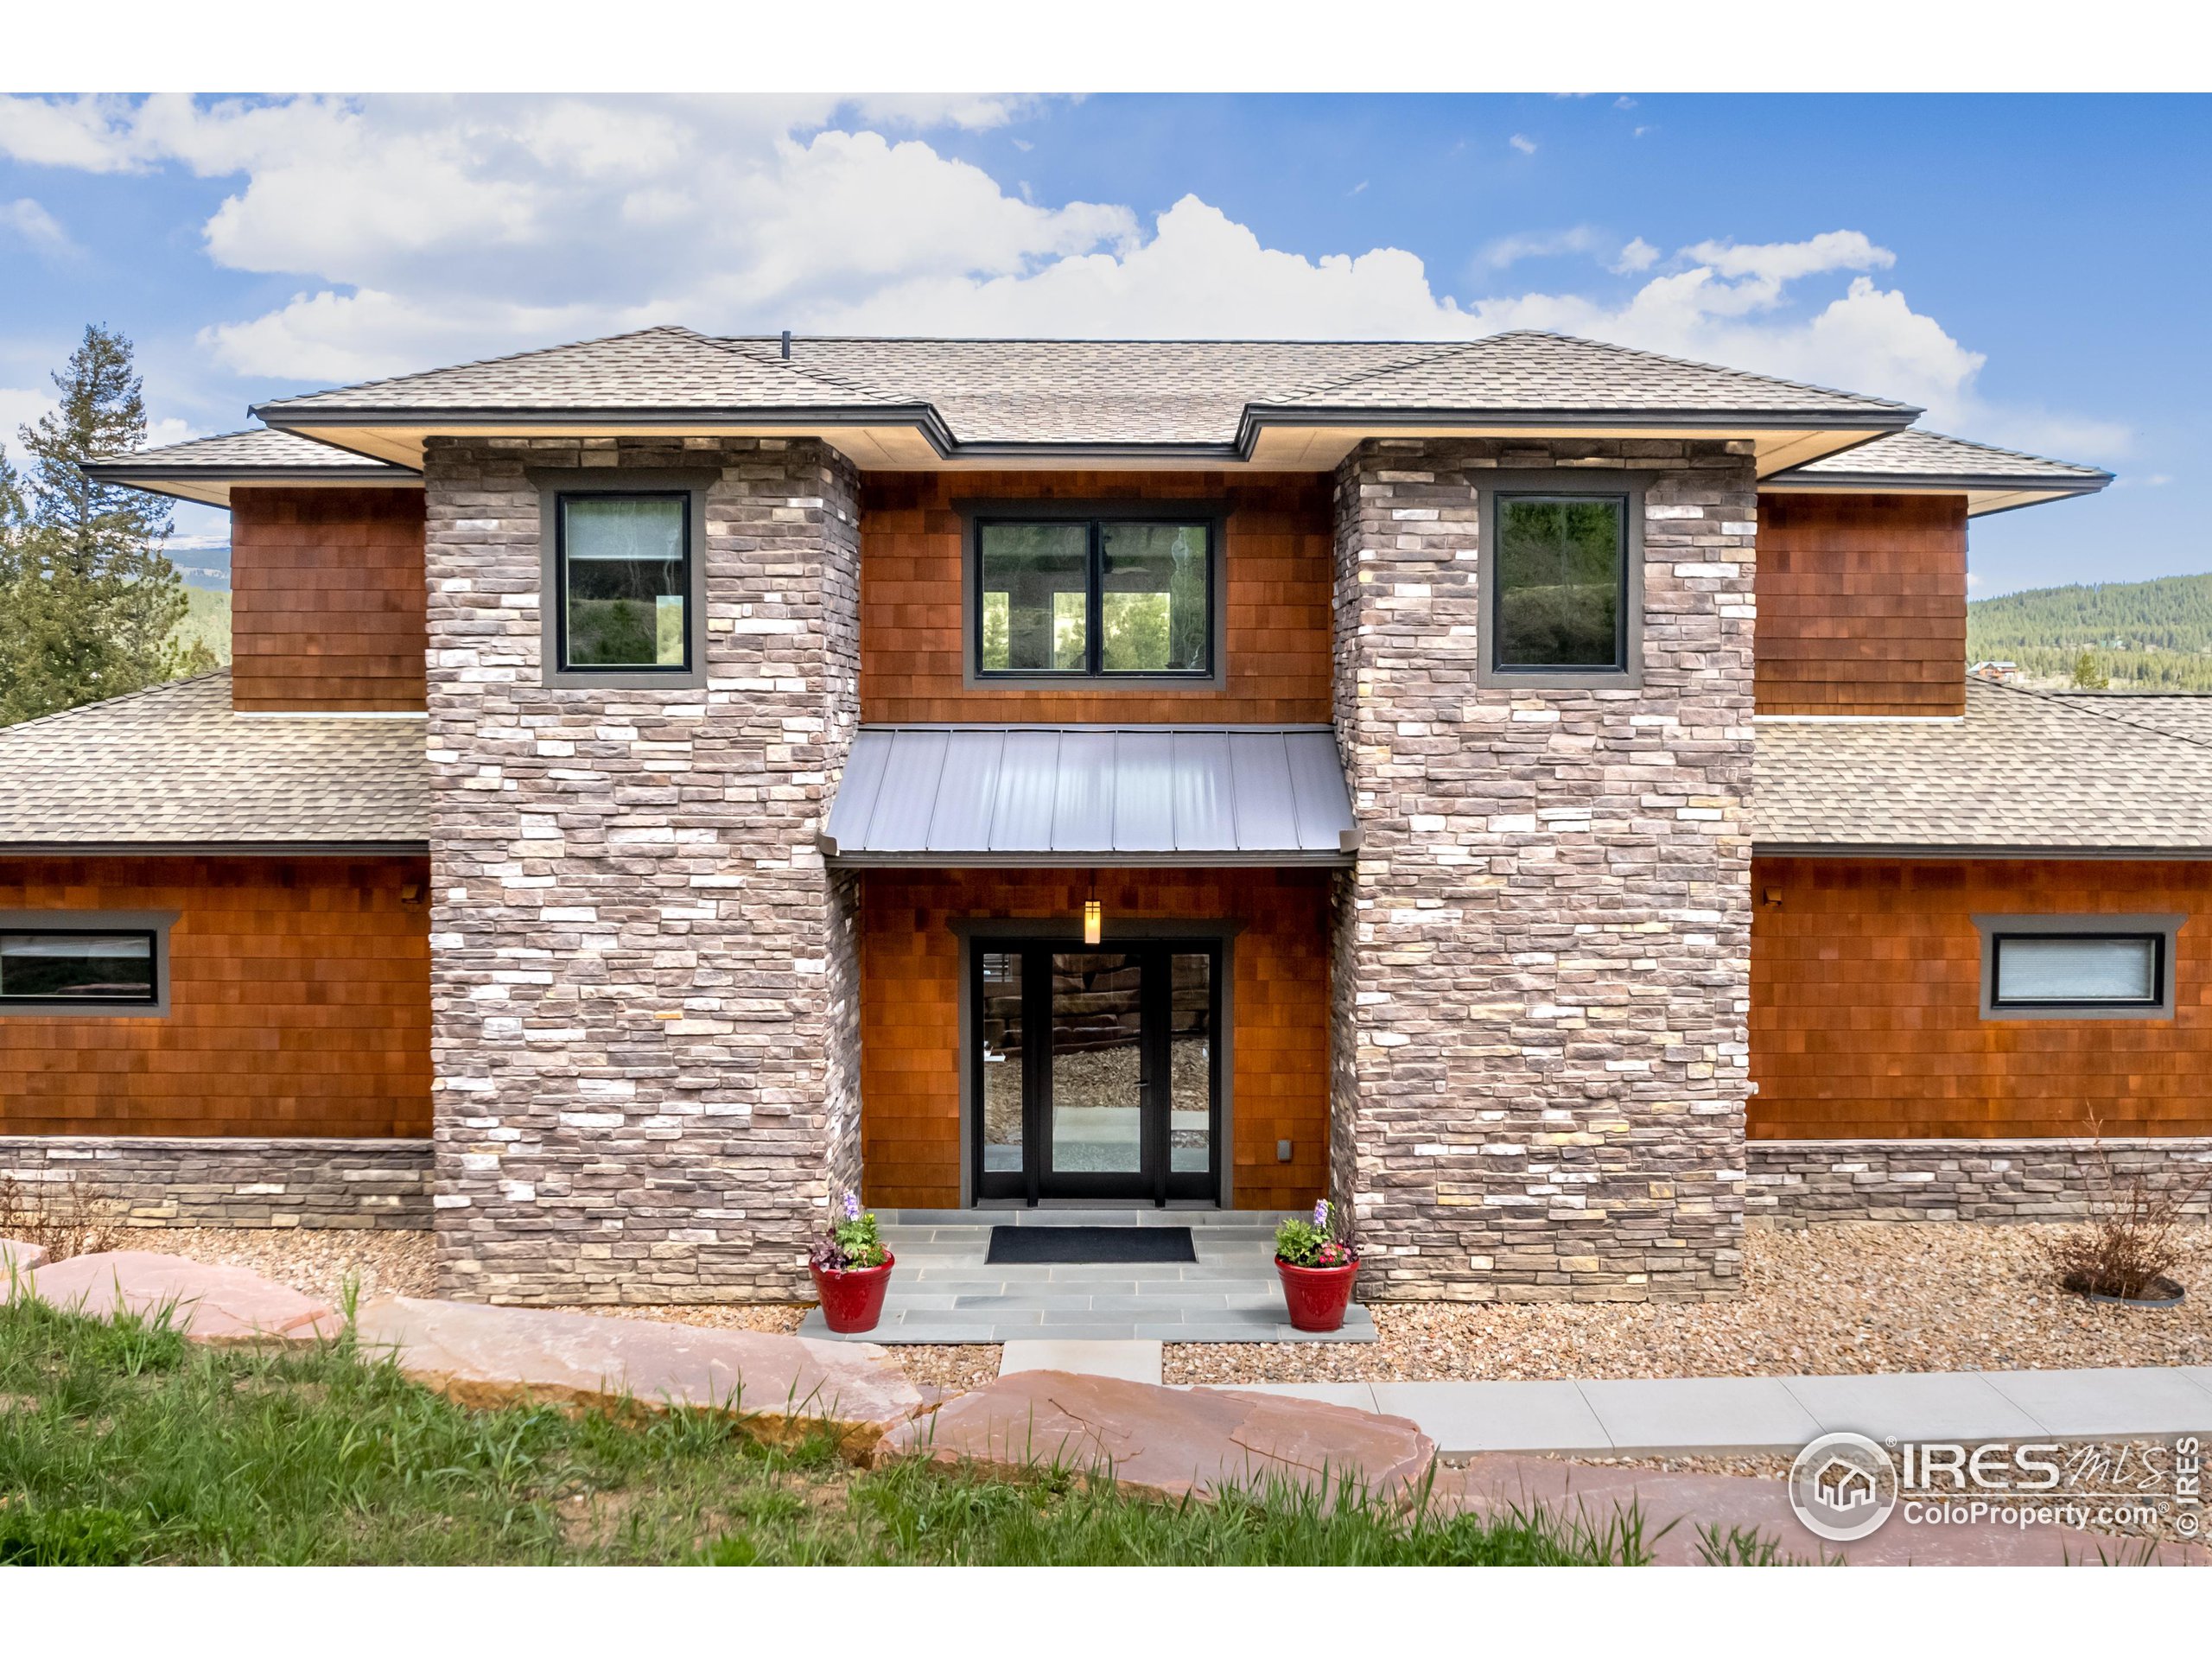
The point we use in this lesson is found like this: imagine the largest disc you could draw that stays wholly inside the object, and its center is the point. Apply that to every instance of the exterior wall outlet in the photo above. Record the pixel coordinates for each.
(1282, 1152)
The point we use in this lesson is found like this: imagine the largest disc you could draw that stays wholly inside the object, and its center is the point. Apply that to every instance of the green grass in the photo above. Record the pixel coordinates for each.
(122, 1443)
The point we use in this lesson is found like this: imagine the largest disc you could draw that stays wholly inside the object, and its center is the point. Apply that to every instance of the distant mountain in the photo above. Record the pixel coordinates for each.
(2148, 636)
(203, 567)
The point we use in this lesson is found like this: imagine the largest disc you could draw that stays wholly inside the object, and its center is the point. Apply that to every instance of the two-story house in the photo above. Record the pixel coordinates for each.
(1526, 788)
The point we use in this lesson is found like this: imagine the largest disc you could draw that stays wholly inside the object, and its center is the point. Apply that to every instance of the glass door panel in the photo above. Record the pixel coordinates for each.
(1189, 1063)
(1098, 1071)
(1004, 1056)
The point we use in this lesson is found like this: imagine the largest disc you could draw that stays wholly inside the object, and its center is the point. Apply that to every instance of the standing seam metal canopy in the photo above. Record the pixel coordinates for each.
(960, 795)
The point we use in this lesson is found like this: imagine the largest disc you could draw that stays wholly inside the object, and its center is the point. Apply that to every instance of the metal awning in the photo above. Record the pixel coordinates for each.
(1073, 795)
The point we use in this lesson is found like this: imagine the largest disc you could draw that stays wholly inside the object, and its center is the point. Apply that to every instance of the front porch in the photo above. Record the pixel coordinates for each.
(943, 1291)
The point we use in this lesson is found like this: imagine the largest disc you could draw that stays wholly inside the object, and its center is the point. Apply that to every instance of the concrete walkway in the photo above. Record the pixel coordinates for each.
(1731, 1416)
(942, 1290)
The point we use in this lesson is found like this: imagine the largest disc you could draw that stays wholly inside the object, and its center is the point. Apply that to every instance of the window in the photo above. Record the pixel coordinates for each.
(2077, 966)
(624, 581)
(1077, 597)
(1559, 586)
(56, 965)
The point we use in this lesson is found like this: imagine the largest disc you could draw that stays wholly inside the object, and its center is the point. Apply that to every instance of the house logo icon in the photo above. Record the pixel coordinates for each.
(1843, 1487)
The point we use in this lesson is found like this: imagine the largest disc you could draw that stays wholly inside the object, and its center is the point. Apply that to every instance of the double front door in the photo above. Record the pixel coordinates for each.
(1095, 1072)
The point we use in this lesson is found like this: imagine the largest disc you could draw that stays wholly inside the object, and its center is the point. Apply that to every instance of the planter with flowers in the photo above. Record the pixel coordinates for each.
(1318, 1260)
(851, 1270)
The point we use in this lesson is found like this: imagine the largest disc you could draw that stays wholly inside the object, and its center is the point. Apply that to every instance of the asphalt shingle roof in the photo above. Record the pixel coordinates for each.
(174, 765)
(2026, 770)
(1082, 391)
(1915, 454)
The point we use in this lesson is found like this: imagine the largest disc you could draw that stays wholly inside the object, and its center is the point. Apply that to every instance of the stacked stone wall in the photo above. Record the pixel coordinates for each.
(643, 984)
(1543, 955)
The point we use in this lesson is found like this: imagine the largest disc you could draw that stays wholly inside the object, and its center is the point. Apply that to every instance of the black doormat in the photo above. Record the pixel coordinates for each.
(1070, 1245)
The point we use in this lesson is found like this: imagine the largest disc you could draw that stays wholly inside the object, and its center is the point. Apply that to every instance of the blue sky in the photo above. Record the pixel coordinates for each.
(2029, 268)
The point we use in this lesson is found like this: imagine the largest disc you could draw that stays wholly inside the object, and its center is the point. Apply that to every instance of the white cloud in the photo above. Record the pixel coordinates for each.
(1523, 142)
(1637, 255)
(1537, 244)
(29, 220)
(19, 406)
(419, 231)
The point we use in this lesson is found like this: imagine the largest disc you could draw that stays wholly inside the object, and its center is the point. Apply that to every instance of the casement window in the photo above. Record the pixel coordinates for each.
(75, 962)
(2077, 966)
(625, 565)
(1562, 581)
(1063, 594)
(625, 592)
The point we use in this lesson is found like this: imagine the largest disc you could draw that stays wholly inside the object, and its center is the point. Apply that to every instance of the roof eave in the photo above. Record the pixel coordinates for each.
(2036, 850)
(211, 486)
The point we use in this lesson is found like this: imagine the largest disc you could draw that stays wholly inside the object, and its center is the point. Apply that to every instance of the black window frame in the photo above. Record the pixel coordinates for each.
(1493, 602)
(689, 586)
(2157, 940)
(1095, 516)
(156, 997)
(2161, 929)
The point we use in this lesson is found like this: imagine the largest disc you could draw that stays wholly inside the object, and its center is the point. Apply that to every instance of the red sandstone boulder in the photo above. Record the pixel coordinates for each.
(213, 1304)
(1167, 1442)
(782, 1387)
(17, 1259)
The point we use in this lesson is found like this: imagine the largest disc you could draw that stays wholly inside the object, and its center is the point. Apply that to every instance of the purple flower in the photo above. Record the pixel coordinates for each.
(1321, 1213)
(852, 1206)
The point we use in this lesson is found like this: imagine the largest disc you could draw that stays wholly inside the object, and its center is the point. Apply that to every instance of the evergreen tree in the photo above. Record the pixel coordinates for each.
(88, 598)
(2087, 677)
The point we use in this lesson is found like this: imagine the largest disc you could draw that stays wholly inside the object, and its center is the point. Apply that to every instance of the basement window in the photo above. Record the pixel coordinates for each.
(1101, 594)
(2096, 967)
(57, 970)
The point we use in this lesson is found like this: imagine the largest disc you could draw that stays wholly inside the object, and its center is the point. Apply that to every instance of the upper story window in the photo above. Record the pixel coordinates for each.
(43, 967)
(623, 572)
(2077, 966)
(1100, 596)
(1564, 583)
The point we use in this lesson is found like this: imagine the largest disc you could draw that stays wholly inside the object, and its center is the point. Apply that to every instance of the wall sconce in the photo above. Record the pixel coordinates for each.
(1093, 918)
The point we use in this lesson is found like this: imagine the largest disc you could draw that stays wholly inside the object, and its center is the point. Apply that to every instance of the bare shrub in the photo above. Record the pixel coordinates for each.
(2133, 1241)
(64, 1219)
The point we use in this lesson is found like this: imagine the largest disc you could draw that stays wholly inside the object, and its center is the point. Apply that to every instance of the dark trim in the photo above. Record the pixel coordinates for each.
(926, 419)
(1100, 860)
(1995, 931)
(1631, 486)
(556, 484)
(389, 474)
(153, 925)
(977, 516)
(1793, 482)
(1974, 850)
(213, 849)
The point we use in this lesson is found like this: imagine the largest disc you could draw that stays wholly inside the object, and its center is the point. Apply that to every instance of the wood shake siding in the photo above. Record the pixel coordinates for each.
(910, 1014)
(1862, 605)
(326, 599)
(299, 1002)
(1278, 589)
(1865, 1004)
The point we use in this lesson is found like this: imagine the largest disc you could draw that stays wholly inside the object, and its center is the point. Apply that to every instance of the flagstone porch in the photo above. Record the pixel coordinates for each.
(943, 1291)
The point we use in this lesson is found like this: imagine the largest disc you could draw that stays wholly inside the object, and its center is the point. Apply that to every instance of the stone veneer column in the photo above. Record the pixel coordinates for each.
(644, 982)
(1542, 964)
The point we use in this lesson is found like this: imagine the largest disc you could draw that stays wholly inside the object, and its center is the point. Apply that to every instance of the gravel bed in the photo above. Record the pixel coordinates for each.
(315, 1259)
(1845, 1297)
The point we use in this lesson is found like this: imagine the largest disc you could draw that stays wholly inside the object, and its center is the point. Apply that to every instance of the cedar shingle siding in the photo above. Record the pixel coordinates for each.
(326, 599)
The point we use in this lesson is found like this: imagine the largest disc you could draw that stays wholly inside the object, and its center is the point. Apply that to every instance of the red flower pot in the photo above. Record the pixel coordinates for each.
(1317, 1296)
(852, 1298)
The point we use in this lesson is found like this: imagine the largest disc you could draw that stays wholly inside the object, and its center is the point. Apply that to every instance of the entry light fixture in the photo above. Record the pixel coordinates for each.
(1093, 921)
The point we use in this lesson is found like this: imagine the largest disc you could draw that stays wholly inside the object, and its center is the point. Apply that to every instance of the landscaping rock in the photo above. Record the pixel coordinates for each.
(1493, 1485)
(1168, 1442)
(18, 1257)
(783, 1388)
(218, 1305)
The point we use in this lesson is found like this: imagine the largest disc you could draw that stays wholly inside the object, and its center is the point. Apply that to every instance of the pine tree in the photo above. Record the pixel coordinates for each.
(88, 598)
(2087, 677)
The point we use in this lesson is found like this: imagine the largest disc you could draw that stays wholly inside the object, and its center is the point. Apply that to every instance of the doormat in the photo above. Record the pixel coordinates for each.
(1071, 1245)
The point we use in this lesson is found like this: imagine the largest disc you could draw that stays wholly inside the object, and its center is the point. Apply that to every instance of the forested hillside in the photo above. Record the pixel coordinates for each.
(2145, 636)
